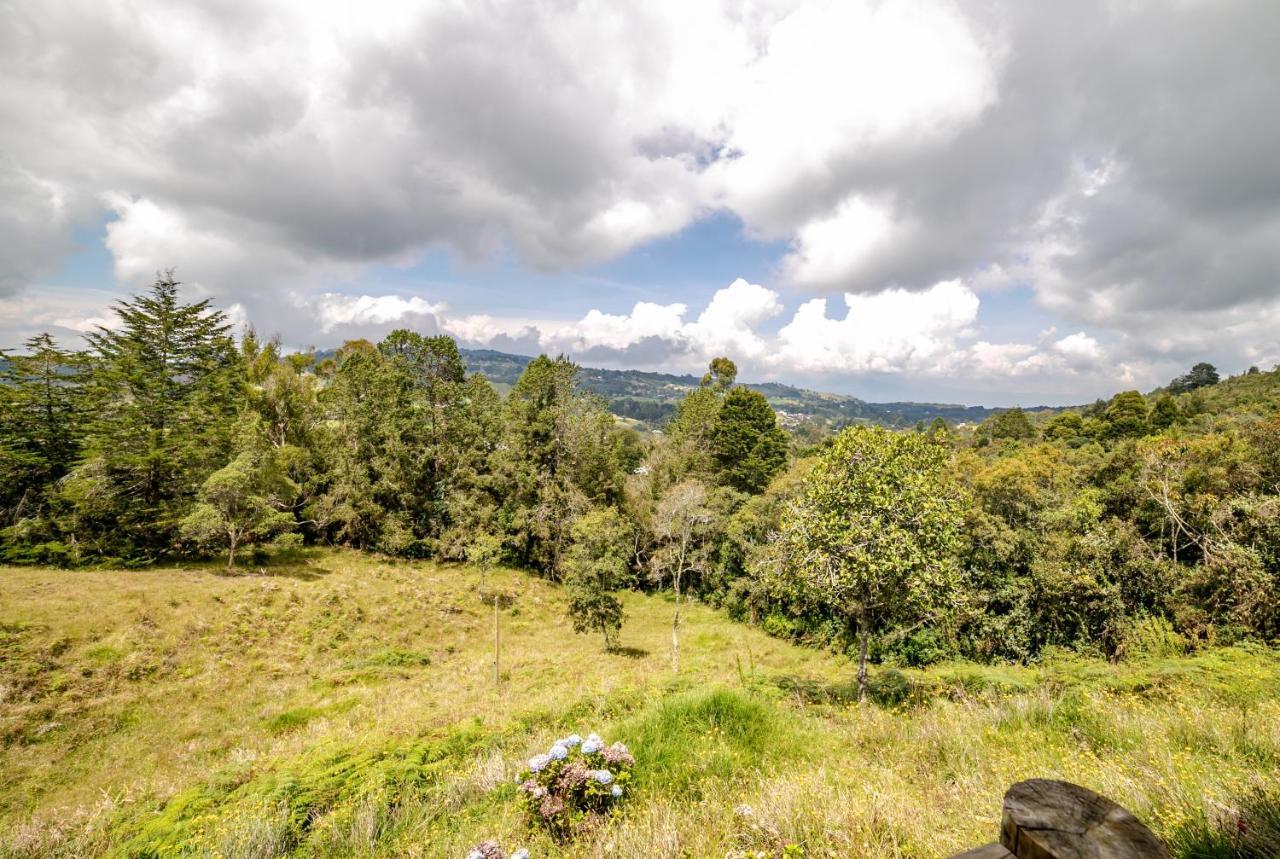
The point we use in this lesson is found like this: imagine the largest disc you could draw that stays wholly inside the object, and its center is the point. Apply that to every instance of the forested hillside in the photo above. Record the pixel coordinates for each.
(652, 398)
(283, 645)
(1138, 522)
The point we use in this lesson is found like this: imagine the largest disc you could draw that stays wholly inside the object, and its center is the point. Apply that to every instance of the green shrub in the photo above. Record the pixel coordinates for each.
(1152, 637)
(576, 784)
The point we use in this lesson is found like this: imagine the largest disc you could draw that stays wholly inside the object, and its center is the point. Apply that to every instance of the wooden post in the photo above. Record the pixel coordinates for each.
(1046, 819)
(497, 643)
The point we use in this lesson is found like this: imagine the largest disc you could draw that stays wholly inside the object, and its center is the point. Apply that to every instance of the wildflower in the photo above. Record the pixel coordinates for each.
(520, 854)
(617, 791)
(534, 789)
(618, 754)
(571, 741)
(487, 850)
(573, 775)
(558, 752)
(743, 810)
(602, 776)
(551, 805)
(592, 744)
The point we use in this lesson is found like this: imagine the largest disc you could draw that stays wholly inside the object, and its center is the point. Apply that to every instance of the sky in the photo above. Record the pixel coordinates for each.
(991, 202)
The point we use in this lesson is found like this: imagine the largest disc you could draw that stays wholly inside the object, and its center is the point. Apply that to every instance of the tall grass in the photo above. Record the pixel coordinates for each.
(345, 706)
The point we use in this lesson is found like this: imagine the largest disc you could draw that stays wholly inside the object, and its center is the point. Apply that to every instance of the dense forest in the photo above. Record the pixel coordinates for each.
(1137, 524)
(651, 398)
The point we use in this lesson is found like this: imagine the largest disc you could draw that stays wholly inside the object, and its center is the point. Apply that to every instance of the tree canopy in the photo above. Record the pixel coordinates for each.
(874, 535)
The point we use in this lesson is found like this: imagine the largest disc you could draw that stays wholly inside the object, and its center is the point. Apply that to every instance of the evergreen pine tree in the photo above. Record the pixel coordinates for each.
(747, 445)
(41, 393)
(164, 389)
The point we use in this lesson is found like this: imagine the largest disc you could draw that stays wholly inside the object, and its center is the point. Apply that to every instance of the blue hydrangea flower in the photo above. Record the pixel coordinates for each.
(571, 741)
(558, 752)
(617, 790)
(539, 762)
(475, 854)
(602, 776)
(592, 744)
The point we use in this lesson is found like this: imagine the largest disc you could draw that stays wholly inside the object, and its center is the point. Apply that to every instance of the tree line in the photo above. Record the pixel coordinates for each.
(1134, 523)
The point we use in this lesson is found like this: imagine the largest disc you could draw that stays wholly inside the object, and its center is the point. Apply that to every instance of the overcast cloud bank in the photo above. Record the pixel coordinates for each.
(918, 156)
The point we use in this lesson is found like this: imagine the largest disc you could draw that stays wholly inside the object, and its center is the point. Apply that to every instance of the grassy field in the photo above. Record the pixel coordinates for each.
(345, 705)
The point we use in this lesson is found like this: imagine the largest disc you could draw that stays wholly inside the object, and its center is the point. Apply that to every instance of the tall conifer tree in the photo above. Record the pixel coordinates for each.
(165, 389)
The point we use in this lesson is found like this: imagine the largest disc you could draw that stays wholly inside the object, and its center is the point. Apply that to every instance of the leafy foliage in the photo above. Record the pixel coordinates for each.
(164, 389)
(596, 567)
(1200, 376)
(1083, 529)
(747, 445)
(874, 536)
(244, 501)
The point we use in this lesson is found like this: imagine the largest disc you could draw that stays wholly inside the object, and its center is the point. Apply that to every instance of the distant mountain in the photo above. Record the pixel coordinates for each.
(651, 397)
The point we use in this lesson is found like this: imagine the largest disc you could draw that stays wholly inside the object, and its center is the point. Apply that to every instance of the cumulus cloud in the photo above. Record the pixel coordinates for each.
(893, 331)
(928, 334)
(334, 310)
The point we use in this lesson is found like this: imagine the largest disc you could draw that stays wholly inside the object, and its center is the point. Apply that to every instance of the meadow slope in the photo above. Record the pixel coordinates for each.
(345, 705)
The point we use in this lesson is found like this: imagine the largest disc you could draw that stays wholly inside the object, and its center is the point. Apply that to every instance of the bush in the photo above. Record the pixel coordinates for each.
(889, 688)
(1152, 637)
(576, 784)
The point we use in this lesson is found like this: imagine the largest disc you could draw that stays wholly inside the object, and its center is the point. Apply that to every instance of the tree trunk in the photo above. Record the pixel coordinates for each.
(862, 656)
(231, 552)
(675, 630)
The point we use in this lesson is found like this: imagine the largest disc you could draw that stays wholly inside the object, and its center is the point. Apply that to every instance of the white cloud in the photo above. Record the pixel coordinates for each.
(66, 313)
(334, 309)
(615, 331)
(301, 135)
(827, 248)
(927, 334)
(841, 80)
(727, 325)
(893, 331)
(1079, 347)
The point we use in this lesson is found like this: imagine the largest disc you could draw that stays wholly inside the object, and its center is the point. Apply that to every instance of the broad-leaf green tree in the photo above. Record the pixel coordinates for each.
(1008, 424)
(243, 502)
(875, 534)
(560, 456)
(596, 566)
(1127, 415)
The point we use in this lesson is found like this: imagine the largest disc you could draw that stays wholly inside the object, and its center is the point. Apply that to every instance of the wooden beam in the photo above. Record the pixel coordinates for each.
(1046, 819)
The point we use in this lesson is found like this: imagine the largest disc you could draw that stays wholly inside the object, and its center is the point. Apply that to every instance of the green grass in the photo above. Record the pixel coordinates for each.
(345, 705)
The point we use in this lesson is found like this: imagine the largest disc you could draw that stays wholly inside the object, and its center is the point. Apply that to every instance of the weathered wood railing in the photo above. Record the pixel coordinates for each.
(1046, 819)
